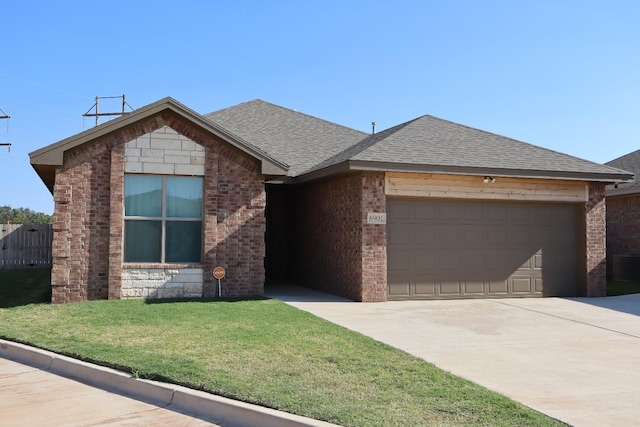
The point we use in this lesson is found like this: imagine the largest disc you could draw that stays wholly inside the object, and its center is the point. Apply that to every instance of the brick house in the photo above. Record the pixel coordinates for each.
(623, 211)
(147, 204)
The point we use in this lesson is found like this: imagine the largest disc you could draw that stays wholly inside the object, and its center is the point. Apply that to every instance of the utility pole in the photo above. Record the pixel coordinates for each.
(98, 114)
(5, 116)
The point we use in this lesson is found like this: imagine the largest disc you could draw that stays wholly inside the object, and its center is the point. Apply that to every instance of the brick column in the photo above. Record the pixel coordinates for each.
(210, 222)
(595, 239)
(374, 240)
(116, 221)
(61, 249)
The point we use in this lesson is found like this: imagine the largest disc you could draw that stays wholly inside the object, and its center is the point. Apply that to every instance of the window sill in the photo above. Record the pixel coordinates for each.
(158, 265)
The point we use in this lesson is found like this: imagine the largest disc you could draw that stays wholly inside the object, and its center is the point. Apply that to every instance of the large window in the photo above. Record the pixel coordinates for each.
(163, 219)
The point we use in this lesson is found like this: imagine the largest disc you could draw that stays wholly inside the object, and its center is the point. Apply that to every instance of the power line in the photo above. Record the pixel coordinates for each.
(44, 86)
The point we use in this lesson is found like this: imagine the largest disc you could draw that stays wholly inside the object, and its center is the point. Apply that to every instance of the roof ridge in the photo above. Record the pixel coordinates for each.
(258, 100)
(360, 146)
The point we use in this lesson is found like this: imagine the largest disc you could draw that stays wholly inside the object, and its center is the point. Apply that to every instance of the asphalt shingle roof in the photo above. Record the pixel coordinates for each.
(428, 140)
(297, 139)
(629, 162)
(309, 144)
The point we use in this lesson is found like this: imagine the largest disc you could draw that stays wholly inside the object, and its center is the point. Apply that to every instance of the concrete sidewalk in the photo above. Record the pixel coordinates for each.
(40, 388)
(577, 360)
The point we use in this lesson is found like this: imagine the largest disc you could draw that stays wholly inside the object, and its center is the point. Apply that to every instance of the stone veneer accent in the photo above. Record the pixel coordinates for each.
(161, 283)
(164, 152)
(88, 219)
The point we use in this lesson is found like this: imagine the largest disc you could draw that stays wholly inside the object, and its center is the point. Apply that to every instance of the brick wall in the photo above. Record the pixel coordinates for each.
(88, 216)
(623, 226)
(81, 226)
(234, 231)
(595, 239)
(335, 250)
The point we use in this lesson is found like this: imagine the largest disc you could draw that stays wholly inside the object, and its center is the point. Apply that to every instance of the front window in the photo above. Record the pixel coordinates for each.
(163, 219)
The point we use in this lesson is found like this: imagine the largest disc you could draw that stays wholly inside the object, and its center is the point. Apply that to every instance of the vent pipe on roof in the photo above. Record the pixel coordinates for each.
(373, 128)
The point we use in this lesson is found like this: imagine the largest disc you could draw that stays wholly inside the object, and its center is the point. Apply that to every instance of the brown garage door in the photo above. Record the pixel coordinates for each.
(474, 249)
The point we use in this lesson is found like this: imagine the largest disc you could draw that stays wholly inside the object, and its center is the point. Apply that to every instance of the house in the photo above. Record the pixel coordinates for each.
(623, 211)
(148, 204)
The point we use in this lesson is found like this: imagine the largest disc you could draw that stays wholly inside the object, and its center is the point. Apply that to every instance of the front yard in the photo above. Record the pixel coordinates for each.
(260, 351)
(268, 353)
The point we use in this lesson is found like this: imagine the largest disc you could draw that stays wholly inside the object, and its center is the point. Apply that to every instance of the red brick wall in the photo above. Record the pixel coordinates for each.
(595, 240)
(88, 216)
(623, 226)
(234, 223)
(336, 250)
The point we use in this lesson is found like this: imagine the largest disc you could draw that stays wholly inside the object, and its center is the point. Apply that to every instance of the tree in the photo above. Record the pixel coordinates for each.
(23, 216)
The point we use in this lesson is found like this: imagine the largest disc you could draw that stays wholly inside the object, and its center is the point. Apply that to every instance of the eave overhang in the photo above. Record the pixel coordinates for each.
(361, 165)
(45, 160)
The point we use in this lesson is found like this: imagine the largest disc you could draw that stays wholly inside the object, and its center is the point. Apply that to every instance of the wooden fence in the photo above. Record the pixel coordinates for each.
(25, 246)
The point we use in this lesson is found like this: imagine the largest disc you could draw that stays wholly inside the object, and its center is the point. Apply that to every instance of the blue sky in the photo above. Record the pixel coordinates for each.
(562, 74)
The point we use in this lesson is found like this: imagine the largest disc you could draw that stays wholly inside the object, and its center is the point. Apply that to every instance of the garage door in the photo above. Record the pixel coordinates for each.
(473, 249)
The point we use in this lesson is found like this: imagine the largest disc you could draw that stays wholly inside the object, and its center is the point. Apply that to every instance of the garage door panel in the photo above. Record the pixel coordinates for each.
(520, 213)
(399, 288)
(449, 262)
(424, 261)
(425, 237)
(473, 260)
(424, 287)
(399, 234)
(497, 236)
(498, 287)
(399, 261)
(537, 261)
(522, 285)
(425, 211)
(472, 236)
(521, 237)
(450, 288)
(496, 213)
(445, 249)
(473, 287)
(399, 212)
(449, 236)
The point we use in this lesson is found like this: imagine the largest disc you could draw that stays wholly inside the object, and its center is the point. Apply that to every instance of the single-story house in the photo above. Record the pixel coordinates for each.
(623, 213)
(148, 204)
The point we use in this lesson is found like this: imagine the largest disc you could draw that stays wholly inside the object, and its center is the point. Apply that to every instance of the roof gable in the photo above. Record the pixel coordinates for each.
(45, 159)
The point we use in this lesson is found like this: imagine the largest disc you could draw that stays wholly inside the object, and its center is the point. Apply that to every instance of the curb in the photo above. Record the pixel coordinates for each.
(213, 408)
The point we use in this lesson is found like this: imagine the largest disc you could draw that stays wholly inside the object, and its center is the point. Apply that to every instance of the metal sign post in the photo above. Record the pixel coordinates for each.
(218, 273)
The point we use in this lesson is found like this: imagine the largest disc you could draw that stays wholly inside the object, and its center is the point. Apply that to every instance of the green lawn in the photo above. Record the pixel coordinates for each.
(268, 353)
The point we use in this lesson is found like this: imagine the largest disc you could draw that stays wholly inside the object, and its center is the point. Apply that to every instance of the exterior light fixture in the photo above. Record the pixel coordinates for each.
(489, 179)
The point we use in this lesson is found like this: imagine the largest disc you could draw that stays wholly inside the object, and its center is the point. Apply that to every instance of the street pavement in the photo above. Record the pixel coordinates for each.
(33, 397)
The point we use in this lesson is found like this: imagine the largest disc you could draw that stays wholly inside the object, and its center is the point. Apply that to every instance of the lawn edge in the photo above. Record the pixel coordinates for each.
(169, 396)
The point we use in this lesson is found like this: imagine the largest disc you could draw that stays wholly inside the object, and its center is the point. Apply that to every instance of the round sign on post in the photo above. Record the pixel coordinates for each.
(218, 272)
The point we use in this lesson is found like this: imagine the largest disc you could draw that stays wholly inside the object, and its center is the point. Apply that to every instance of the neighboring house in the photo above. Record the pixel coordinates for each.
(623, 211)
(148, 204)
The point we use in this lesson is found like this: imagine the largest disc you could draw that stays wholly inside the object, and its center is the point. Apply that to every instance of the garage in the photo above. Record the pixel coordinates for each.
(450, 248)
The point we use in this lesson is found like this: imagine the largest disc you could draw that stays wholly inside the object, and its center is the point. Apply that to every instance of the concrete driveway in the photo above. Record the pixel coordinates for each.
(577, 359)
